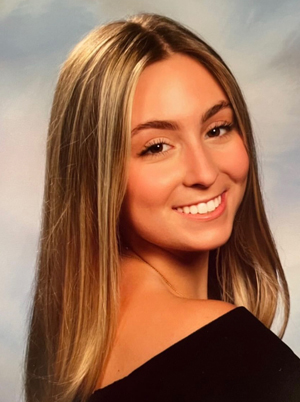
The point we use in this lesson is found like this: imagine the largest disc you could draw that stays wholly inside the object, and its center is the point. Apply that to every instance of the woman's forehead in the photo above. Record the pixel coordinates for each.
(175, 88)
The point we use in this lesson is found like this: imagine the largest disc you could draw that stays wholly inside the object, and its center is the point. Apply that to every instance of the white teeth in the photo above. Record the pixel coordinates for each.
(202, 207)
(186, 210)
(211, 206)
(194, 209)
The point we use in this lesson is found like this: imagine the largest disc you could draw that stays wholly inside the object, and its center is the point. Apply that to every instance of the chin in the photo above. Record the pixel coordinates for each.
(204, 242)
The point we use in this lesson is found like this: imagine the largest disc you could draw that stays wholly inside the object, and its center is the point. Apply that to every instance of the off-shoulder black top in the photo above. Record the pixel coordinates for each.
(233, 358)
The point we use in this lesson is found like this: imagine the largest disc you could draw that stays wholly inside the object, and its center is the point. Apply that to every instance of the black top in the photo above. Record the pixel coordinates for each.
(233, 358)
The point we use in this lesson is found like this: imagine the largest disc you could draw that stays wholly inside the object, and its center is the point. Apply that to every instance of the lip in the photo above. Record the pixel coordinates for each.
(199, 202)
(209, 215)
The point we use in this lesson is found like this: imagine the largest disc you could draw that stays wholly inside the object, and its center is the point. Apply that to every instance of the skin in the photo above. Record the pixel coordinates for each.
(193, 166)
(164, 266)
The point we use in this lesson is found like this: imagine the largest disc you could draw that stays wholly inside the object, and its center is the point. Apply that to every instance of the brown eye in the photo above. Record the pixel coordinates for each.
(219, 131)
(215, 132)
(155, 149)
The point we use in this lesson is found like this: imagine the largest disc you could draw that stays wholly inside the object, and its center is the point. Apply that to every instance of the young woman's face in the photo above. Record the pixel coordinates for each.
(188, 166)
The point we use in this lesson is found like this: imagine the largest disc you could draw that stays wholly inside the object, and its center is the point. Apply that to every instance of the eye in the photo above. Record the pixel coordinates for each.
(158, 147)
(220, 130)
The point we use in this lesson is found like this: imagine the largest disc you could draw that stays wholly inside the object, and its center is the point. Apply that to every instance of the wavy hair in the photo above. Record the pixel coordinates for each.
(75, 307)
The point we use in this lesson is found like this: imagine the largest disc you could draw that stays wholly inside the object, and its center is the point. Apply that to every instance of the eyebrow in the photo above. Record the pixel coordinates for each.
(173, 126)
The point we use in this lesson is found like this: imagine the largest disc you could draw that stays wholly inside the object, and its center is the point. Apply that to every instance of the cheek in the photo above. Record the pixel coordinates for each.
(236, 162)
(149, 185)
(147, 199)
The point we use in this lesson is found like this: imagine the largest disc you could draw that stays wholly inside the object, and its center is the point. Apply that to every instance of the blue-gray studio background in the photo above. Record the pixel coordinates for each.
(259, 40)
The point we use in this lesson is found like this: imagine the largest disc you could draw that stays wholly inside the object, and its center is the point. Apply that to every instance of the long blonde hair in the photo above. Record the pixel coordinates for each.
(75, 306)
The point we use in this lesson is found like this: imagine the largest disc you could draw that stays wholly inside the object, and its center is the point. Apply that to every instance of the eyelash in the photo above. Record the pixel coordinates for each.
(154, 142)
(224, 125)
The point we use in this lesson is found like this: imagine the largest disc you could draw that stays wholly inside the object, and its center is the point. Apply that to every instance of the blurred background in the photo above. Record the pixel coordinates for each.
(259, 40)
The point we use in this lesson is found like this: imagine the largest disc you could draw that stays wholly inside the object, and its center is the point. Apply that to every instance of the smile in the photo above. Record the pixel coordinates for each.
(202, 207)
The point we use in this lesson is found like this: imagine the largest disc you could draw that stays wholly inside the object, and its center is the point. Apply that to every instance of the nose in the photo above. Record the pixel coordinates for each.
(200, 168)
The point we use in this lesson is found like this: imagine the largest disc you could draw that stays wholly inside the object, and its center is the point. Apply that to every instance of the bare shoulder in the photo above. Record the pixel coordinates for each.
(150, 328)
(194, 314)
(212, 308)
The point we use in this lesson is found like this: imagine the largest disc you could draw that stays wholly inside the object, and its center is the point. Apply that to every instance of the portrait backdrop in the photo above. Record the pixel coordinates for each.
(260, 42)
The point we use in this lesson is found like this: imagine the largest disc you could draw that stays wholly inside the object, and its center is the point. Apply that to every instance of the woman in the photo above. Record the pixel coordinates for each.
(154, 231)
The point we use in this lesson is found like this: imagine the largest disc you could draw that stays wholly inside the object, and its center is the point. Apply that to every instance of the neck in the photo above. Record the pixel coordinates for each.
(182, 273)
